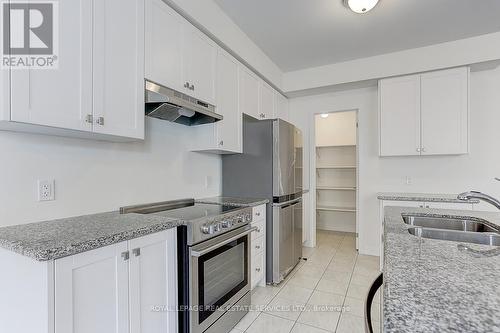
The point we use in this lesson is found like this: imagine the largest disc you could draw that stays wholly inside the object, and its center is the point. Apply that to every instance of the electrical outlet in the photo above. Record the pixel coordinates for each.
(46, 190)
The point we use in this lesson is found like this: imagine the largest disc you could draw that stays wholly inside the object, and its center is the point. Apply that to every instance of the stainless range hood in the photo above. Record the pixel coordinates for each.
(167, 104)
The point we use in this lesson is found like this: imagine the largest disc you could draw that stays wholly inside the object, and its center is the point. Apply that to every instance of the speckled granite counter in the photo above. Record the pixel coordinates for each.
(432, 286)
(60, 238)
(231, 201)
(424, 197)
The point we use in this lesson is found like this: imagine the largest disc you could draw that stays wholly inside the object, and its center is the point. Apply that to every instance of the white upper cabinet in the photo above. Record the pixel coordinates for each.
(119, 67)
(425, 114)
(91, 291)
(267, 108)
(249, 93)
(164, 31)
(59, 97)
(445, 106)
(282, 107)
(199, 64)
(224, 136)
(229, 129)
(178, 55)
(399, 116)
(97, 91)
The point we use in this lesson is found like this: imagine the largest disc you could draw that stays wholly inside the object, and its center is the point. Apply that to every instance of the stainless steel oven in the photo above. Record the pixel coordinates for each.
(219, 279)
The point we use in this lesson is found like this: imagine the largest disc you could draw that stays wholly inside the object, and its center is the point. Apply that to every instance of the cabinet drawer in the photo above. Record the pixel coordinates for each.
(260, 229)
(259, 213)
(257, 269)
(257, 246)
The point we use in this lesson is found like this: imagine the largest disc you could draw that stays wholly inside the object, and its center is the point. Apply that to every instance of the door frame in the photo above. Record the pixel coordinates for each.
(310, 234)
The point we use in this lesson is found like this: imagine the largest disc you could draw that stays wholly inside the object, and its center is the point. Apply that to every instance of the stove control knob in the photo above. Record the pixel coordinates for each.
(240, 220)
(207, 229)
(227, 224)
(217, 227)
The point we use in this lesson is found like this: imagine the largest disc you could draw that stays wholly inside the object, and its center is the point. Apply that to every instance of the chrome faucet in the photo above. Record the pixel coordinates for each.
(479, 195)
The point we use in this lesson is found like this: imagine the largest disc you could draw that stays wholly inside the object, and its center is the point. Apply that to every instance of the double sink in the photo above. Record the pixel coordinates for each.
(457, 229)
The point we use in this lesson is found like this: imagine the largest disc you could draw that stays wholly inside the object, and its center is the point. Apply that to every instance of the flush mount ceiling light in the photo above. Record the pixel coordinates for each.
(360, 6)
(324, 115)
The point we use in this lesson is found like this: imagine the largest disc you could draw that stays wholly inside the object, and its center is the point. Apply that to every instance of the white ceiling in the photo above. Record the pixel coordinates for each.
(299, 34)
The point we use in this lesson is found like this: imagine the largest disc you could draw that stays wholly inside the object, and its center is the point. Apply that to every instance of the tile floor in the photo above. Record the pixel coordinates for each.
(324, 294)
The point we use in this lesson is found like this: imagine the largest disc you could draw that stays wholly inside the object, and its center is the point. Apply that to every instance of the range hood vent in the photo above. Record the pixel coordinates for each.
(167, 104)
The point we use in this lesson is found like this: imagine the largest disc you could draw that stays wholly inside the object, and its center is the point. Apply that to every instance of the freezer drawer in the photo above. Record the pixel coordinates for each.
(287, 238)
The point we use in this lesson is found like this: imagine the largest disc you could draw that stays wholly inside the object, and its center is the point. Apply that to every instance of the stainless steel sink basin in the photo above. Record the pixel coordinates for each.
(455, 223)
(483, 238)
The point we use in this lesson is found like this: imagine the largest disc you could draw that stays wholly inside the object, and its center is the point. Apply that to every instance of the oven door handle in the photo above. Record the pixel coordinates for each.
(216, 246)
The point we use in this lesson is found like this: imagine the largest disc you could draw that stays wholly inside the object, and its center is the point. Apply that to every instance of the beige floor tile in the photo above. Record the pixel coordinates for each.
(308, 251)
(304, 280)
(366, 271)
(301, 328)
(310, 269)
(351, 324)
(326, 320)
(285, 308)
(341, 266)
(246, 321)
(360, 292)
(269, 323)
(319, 298)
(263, 295)
(332, 286)
(362, 279)
(295, 293)
(234, 330)
(339, 276)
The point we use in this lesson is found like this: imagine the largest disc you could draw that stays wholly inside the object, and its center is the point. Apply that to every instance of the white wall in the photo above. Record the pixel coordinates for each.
(338, 129)
(93, 176)
(450, 54)
(438, 174)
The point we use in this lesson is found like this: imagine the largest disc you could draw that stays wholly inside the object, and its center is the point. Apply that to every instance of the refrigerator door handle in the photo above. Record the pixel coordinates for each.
(287, 203)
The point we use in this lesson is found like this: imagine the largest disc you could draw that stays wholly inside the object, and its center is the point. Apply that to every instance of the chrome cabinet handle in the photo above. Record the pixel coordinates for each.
(257, 269)
(126, 255)
(221, 143)
(186, 85)
(89, 119)
(257, 247)
(136, 252)
(192, 87)
(498, 179)
(423, 150)
(419, 150)
(100, 121)
(257, 214)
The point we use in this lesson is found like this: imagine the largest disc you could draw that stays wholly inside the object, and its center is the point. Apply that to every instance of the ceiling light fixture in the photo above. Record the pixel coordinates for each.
(324, 115)
(360, 6)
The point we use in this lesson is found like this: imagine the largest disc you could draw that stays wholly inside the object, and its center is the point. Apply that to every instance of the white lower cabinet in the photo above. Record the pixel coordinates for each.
(91, 291)
(125, 287)
(258, 247)
(128, 287)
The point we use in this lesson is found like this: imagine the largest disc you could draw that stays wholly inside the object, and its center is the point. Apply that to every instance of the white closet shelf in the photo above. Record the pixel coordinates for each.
(338, 146)
(335, 188)
(336, 209)
(346, 167)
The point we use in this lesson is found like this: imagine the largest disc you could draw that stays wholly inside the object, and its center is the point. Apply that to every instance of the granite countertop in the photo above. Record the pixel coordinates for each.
(232, 201)
(432, 286)
(55, 239)
(425, 197)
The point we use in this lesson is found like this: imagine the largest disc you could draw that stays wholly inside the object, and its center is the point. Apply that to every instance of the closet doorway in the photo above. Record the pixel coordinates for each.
(336, 173)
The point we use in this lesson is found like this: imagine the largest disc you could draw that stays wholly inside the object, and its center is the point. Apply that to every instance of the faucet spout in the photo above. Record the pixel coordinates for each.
(480, 196)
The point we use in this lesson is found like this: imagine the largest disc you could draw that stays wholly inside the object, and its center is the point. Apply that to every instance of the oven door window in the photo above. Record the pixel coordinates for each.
(221, 274)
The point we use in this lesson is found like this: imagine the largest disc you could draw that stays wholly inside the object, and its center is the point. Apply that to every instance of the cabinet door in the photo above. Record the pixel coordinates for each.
(267, 101)
(153, 283)
(229, 129)
(445, 106)
(399, 116)
(119, 67)
(60, 97)
(199, 64)
(249, 93)
(163, 45)
(282, 107)
(91, 292)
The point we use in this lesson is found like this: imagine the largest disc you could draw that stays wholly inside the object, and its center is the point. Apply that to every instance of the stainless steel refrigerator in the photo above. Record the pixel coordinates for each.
(271, 167)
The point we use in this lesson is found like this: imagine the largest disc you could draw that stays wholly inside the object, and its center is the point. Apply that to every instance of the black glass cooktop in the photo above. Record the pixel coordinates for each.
(197, 211)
